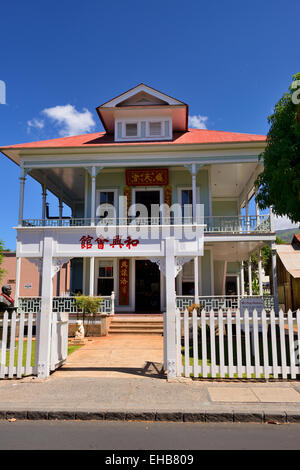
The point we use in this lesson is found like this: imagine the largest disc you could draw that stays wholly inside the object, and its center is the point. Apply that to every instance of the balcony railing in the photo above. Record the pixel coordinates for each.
(212, 224)
(64, 305)
(216, 302)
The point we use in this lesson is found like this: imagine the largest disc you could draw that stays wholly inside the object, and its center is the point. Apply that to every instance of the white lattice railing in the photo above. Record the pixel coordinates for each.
(216, 302)
(63, 304)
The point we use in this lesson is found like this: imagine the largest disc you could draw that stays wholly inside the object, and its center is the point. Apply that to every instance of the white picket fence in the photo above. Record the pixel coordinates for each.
(229, 344)
(17, 332)
(19, 343)
(59, 340)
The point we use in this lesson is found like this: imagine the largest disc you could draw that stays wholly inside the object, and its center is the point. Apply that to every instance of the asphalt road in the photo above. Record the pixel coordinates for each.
(142, 436)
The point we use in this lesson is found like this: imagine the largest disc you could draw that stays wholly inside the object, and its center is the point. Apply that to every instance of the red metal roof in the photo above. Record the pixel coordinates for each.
(98, 139)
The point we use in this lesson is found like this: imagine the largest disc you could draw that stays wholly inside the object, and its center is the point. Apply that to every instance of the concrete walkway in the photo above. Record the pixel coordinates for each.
(117, 355)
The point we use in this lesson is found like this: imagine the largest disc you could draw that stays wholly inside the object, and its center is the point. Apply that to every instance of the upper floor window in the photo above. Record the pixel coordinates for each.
(131, 129)
(143, 129)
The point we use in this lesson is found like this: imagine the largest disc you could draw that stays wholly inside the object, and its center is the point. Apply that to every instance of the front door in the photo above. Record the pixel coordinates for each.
(148, 198)
(147, 287)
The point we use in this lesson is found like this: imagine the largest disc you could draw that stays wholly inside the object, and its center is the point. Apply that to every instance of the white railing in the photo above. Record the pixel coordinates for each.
(64, 304)
(216, 302)
(226, 224)
(17, 344)
(231, 345)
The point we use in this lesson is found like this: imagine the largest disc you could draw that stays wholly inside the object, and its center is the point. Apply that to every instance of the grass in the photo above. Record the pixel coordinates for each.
(71, 349)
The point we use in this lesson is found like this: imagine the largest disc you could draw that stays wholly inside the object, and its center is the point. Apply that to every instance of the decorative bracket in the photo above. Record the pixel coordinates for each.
(38, 262)
(179, 261)
(94, 170)
(194, 167)
(57, 264)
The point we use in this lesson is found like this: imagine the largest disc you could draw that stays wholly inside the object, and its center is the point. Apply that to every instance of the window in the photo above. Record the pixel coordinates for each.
(155, 129)
(187, 204)
(105, 278)
(106, 207)
(131, 129)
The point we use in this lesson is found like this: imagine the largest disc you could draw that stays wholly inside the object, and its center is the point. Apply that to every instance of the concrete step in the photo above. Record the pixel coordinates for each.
(141, 330)
(134, 325)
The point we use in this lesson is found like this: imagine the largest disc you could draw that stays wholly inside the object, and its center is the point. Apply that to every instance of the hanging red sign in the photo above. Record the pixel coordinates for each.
(124, 282)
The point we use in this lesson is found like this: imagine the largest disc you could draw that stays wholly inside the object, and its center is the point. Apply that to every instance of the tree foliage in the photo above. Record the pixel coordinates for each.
(279, 184)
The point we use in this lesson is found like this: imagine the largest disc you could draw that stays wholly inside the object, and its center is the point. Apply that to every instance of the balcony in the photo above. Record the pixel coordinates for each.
(213, 224)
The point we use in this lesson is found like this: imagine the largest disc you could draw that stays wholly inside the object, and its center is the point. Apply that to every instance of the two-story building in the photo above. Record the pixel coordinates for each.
(120, 185)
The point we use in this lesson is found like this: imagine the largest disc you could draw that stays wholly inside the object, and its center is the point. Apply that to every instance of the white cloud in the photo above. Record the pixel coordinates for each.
(70, 121)
(197, 121)
(35, 123)
(284, 223)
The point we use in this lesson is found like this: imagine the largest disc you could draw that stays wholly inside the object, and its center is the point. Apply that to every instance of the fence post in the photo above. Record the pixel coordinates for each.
(170, 340)
(112, 310)
(44, 332)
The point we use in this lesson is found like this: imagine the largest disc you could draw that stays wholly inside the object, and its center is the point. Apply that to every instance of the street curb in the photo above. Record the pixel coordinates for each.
(211, 416)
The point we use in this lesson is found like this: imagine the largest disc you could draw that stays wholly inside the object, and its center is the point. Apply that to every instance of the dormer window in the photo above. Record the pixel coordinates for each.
(131, 129)
(155, 129)
(143, 129)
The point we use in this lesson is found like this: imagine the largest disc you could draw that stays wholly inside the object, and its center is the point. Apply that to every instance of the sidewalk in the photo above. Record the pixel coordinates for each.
(149, 398)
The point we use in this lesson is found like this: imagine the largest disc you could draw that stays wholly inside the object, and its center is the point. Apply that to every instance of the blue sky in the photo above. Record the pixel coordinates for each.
(230, 61)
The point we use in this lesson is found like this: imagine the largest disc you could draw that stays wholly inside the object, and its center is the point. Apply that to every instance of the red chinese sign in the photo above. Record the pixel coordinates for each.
(86, 242)
(124, 282)
(147, 177)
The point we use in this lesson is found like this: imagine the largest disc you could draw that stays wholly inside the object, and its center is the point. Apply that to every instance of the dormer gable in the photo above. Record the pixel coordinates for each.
(143, 113)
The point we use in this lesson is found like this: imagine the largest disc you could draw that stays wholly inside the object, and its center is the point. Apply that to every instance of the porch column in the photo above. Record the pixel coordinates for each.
(92, 275)
(247, 215)
(196, 279)
(86, 182)
(21, 196)
(194, 192)
(170, 337)
(44, 200)
(257, 212)
(274, 272)
(250, 275)
(18, 276)
(242, 279)
(260, 273)
(93, 195)
(45, 320)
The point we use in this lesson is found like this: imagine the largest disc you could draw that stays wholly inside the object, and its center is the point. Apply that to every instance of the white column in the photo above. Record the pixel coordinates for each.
(196, 279)
(170, 337)
(86, 181)
(194, 192)
(247, 214)
(250, 275)
(44, 332)
(18, 276)
(84, 276)
(274, 272)
(260, 274)
(257, 213)
(44, 200)
(92, 275)
(93, 195)
(272, 223)
(21, 196)
(242, 279)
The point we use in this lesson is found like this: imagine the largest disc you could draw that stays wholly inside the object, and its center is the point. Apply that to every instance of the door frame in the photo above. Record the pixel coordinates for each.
(135, 189)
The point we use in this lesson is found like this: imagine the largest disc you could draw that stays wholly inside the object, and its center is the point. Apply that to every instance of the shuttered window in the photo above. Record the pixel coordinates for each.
(155, 129)
(131, 129)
